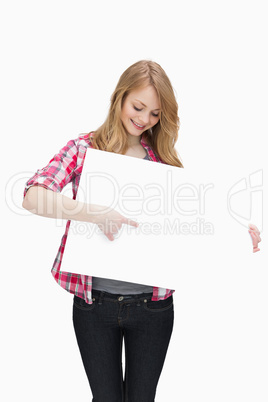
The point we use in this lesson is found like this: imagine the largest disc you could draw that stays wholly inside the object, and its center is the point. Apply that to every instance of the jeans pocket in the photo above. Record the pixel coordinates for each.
(82, 304)
(158, 306)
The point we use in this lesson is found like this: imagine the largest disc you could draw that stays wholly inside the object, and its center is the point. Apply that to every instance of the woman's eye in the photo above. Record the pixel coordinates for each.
(139, 110)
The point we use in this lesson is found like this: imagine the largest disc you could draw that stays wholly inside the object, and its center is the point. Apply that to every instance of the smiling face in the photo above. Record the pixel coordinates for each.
(140, 110)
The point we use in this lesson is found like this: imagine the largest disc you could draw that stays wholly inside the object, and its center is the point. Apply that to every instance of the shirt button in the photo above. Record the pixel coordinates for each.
(120, 298)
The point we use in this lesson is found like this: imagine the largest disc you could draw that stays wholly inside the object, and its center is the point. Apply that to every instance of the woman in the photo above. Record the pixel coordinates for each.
(142, 122)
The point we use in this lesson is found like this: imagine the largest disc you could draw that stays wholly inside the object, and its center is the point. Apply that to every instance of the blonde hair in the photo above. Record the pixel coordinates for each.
(111, 135)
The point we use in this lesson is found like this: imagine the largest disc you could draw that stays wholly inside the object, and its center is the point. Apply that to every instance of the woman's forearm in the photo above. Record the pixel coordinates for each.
(50, 204)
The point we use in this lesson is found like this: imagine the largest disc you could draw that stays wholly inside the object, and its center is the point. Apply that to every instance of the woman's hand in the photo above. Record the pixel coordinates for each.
(255, 236)
(111, 222)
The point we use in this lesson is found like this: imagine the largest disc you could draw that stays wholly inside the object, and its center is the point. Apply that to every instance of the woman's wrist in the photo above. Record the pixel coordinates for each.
(90, 212)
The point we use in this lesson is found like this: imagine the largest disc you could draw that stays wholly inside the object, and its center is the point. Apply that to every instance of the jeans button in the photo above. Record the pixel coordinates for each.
(145, 300)
(120, 298)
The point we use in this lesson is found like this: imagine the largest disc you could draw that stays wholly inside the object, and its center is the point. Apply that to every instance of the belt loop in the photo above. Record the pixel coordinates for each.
(101, 298)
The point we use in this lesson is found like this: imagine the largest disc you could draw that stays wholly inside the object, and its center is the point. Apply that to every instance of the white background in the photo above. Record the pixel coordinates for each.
(61, 61)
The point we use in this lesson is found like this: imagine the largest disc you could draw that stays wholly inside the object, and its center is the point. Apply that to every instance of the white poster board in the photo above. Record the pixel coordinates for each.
(178, 210)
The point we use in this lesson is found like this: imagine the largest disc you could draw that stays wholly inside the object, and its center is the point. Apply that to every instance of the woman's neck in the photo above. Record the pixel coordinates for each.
(134, 141)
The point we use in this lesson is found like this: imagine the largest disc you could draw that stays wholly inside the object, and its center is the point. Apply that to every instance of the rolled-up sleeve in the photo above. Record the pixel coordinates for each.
(58, 172)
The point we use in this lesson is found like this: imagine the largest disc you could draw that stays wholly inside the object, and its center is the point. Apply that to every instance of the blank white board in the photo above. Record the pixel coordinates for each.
(182, 214)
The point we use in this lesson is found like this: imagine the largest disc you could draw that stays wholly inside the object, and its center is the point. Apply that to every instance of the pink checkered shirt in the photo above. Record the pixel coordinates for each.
(66, 166)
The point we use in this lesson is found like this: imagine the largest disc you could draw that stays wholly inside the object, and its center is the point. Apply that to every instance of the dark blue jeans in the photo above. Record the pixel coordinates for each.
(100, 328)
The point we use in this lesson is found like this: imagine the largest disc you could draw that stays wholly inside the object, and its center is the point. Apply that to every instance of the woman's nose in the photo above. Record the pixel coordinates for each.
(144, 119)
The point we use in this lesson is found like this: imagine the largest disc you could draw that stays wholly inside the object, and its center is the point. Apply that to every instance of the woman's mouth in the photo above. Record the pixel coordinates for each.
(138, 126)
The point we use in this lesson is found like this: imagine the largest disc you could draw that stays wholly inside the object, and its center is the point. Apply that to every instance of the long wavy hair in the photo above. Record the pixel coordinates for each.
(111, 135)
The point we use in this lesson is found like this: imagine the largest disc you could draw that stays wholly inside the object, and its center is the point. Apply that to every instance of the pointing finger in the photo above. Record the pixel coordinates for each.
(130, 222)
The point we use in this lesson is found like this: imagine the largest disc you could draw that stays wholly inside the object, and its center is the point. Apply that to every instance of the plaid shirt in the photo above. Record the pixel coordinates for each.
(65, 167)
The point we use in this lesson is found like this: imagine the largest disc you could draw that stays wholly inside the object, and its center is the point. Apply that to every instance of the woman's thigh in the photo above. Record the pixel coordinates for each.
(147, 337)
(100, 342)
